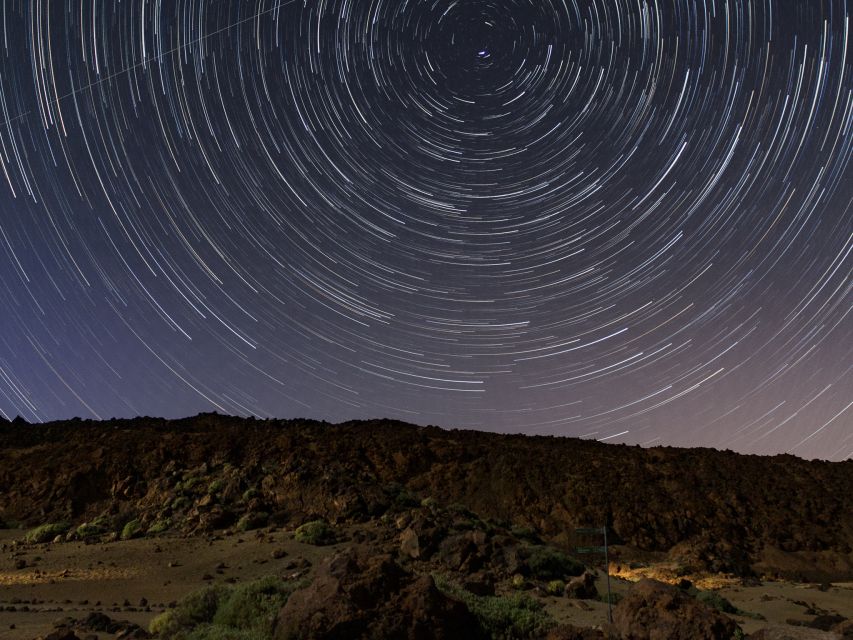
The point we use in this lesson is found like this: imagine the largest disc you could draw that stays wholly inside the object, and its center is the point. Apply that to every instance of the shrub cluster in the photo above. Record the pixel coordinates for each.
(217, 612)
(515, 617)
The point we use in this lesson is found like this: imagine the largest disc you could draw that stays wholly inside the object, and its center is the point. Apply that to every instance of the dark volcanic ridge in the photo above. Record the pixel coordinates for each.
(707, 510)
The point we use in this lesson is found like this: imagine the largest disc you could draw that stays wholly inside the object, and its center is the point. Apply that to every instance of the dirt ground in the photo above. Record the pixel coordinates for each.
(132, 580)
(137, 579)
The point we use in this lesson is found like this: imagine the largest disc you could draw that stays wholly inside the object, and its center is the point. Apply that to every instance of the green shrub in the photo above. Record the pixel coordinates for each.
(216, 486)
(97, 527)
(248, 494)
(254, 604)
(254, 520)
(316, 532)
(547, 563)
(515, 617)
(46, 532)
(217, 612)
(715, 600)
(180, 503)
(132, 529)
(197, 608)
(718, 602)
(556, 587)
(191, 483)
(159, 526)
(518, 582)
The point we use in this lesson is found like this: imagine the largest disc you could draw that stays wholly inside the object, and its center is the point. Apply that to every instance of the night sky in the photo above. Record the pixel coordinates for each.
(627, 220)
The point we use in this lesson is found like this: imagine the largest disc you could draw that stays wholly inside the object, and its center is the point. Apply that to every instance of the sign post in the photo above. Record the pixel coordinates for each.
(597, 531)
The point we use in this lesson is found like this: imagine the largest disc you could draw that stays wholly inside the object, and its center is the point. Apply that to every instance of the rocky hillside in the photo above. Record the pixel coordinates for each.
(708, 509)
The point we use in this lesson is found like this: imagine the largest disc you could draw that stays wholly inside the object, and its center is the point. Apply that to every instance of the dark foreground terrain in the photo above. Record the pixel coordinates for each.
(220, 527)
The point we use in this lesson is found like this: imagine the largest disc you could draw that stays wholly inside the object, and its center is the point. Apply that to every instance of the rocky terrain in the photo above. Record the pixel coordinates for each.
(707, 509)
(428, 533)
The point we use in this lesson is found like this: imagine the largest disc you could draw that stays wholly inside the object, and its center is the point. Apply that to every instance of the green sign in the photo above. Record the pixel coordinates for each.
(590, 550)
(589, 532)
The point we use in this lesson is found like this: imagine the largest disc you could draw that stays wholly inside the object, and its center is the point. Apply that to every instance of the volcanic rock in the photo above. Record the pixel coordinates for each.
(582, 587)
(356, 595)
(774, 515)
(653, 610)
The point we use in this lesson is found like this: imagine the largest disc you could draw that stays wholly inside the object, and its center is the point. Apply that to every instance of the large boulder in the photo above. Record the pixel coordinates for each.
(582, 587)
(653, 610)
(354, 596)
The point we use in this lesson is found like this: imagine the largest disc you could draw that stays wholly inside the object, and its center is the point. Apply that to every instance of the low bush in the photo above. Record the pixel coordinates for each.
(547, 563)
(88, 530)
(316, 532)
(132, 529)
(254, 520)
(46, 532)
(515, 617)
(556, 587)
(159, 526)
(216, 612)
(216, 486)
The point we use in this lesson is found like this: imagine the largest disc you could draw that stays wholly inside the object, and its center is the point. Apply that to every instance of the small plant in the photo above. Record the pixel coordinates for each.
(254, 520)
(159, 526)
(518, 582)
(181, 502)
(216, 486)
(132, 529)
(316, 532)
(46, 532)
(191, 483)
(556, 587)
(429, 503)
(547, 563)
(93, 529)
(197, 608)
(248, 494)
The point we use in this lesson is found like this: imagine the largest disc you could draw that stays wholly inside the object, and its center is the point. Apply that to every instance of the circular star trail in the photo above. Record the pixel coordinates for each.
(629, 220)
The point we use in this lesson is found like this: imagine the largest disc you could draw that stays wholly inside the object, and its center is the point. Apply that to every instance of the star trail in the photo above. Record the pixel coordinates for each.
(627, 220)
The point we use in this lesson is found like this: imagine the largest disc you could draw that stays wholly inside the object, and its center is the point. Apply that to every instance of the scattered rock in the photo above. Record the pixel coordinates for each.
(826, 622)
(844, 629)
(409, 543)
(656, 611)
(582, 587)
